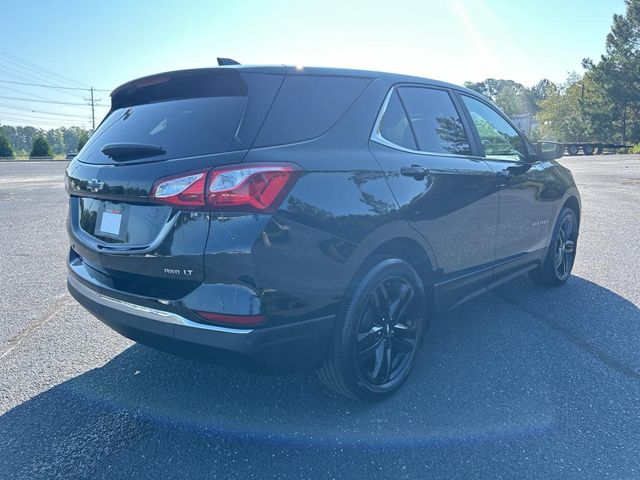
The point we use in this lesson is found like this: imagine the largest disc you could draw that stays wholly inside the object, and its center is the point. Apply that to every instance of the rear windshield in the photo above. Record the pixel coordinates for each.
(207, 117)
(183, 128)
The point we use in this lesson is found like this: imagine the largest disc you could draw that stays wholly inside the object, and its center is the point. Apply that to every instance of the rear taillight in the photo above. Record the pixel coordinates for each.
(247, 187)
(257, 187)
(181, 190)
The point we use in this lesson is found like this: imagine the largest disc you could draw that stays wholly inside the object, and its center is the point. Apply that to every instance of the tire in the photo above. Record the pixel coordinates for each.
(572, 150)
(599, 150)
(588, 149)
(561, 253)
(377, 333)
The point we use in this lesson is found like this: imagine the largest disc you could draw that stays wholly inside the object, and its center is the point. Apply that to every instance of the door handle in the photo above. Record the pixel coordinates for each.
(506, 173)
(512, 171)
(415, 171)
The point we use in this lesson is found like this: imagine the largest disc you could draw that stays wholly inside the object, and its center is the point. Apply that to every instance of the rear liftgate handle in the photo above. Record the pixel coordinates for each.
(415, 171)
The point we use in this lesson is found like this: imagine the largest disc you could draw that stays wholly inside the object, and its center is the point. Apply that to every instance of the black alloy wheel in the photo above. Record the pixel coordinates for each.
(565, 248)
(387, 333)
(378, 333)
(558, 262)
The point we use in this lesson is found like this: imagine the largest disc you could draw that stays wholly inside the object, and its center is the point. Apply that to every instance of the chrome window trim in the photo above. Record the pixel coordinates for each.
(379, 139)
(147, 312)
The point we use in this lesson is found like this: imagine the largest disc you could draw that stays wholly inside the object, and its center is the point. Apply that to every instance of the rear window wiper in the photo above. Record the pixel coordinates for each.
(127, 151)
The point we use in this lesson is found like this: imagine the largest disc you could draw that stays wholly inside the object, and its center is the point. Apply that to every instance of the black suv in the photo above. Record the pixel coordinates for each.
(307, 218)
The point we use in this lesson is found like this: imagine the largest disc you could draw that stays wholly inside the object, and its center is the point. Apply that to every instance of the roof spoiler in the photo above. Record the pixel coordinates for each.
(180, 84)
(227, 61)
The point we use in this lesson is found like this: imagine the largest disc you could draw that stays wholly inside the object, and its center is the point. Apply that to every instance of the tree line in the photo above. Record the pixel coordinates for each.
(600, 104)
(36, 142)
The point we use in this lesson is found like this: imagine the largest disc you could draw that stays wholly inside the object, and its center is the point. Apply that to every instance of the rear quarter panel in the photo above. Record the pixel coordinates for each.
(302, 259)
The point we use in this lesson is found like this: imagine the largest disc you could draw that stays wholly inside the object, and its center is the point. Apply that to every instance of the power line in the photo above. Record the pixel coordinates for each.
(29, 121)
(12, 74)
(42, 71)
(29, 75)
(18, 75)
(18, 118)
(44, 112)
(44, 116)
(19, 65)
(46, 101)
(55, 86)
(22, 92)
(35, 122)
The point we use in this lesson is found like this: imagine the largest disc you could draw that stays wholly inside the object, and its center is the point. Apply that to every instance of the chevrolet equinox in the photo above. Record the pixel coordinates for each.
(307, 218)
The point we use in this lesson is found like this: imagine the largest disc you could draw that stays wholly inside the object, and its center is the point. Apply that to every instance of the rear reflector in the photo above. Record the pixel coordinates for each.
(247, 187)
(246, 320)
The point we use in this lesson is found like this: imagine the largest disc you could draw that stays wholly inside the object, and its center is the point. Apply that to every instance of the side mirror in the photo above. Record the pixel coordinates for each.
(549, 150)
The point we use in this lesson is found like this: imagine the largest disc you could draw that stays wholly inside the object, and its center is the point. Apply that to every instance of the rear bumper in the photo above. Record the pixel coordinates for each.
(296, 346)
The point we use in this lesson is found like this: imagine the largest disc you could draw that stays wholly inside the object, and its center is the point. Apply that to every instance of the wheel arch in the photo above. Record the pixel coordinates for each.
(403, 248)
(574, 204)
(411, 252)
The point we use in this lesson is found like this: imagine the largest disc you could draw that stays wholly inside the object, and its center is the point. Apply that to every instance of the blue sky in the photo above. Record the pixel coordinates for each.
(104, 44)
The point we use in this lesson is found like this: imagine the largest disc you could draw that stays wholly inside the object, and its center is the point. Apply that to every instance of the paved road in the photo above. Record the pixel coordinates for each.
(524, 382)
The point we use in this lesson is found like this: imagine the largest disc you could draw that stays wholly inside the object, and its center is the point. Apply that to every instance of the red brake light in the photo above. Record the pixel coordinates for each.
(186, 189)
(252, 186)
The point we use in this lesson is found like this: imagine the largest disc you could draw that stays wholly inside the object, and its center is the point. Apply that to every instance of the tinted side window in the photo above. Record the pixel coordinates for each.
(435, 121)
(394, 124)
(499, 139)
(308, 106)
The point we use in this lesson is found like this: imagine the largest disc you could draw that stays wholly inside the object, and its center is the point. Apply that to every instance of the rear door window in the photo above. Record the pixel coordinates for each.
(394, 125)
(435, 120)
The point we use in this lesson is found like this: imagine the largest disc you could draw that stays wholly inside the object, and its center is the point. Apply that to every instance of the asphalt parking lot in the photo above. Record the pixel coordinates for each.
(525, 382)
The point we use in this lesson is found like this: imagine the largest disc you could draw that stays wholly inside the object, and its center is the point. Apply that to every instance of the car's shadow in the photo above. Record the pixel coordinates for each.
(504, 367)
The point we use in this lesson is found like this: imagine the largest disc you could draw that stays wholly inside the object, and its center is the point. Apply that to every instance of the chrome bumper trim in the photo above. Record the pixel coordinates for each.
(147, 312)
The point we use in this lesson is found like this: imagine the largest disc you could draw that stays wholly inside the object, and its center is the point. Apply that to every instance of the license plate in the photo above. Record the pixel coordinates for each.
(111, 220)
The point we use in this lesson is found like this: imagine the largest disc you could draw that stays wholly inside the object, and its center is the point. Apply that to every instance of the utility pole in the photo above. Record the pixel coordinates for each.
(92, 100)
(93, 113)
